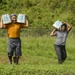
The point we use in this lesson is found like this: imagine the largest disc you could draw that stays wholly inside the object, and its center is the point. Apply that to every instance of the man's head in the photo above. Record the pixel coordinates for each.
(14, 18)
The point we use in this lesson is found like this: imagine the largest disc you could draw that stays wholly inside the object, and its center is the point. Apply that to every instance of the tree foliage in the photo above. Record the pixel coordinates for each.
(41, 13)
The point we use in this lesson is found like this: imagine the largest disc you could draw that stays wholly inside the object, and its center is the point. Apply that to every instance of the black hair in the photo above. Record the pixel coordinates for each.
(65, 26)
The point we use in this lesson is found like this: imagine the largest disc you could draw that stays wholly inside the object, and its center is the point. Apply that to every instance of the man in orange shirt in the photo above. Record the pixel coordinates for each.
(14, 41)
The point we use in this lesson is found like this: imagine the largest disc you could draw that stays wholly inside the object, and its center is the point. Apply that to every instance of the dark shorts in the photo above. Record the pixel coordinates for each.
(14, 46)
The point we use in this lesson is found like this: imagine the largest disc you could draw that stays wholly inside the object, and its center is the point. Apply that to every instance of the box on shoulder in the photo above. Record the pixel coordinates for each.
(21, 18)
(57, 24)
(6, 19)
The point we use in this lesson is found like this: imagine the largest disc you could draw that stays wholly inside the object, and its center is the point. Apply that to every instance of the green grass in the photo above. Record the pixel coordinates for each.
(38, 57)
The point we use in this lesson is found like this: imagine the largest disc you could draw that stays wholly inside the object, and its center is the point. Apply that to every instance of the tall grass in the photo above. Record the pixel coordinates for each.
(38, 57)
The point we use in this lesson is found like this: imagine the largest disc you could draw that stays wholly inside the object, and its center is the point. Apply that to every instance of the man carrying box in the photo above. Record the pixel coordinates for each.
(14, 41)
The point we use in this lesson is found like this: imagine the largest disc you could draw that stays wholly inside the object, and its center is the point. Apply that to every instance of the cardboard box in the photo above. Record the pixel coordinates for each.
(57, 24)
(6, 19)
(21, 18)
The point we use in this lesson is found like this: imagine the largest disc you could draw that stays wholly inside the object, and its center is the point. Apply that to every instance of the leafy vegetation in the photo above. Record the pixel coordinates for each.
(39, 57)
(41, 13)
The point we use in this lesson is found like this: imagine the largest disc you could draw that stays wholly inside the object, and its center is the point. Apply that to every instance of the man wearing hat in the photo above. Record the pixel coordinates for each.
(14, 41)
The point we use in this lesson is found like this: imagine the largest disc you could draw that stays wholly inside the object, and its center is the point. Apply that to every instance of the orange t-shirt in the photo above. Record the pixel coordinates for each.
(13, 29)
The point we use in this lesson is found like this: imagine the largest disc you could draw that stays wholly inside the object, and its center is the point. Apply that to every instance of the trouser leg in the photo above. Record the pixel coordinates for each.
(64, 55)
(59, 53)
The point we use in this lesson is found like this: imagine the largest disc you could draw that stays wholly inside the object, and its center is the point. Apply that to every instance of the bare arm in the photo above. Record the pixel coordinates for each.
(53, 32)
(26, 24)
(1, 25)
(69, 26)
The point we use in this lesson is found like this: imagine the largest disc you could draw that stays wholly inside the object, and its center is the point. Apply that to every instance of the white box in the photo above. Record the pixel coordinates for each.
(21, 18)
(57, 24)
(6, 19)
